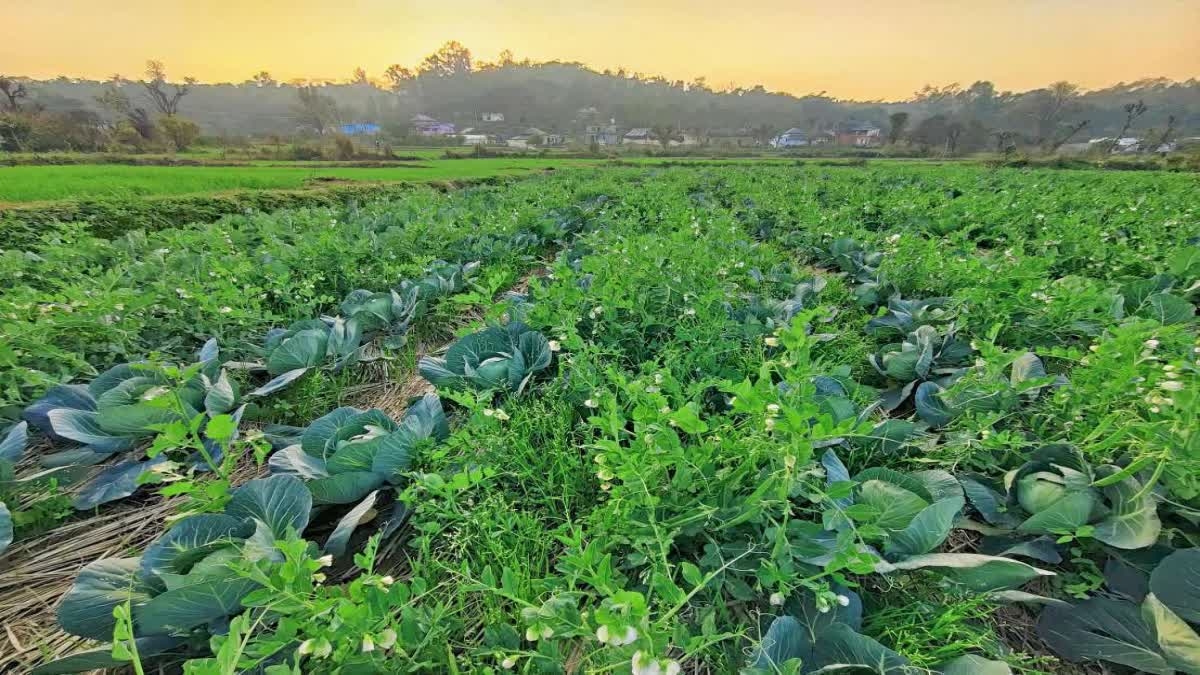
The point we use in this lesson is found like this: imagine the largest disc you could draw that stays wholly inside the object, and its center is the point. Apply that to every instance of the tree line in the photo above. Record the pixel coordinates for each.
(560, 97)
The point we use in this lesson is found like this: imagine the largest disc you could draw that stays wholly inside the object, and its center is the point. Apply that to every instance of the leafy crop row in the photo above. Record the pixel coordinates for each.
(773, 419)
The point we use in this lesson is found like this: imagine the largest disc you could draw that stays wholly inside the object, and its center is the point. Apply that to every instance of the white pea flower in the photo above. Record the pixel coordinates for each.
(325, 560)
(777, 599)
(1171, 385)
(590, 404)
(843, 600)
(488, 412)
(771, 341)
(554, 345)
(368, 645)
(387, 638)
(501, 415)
(509, 663)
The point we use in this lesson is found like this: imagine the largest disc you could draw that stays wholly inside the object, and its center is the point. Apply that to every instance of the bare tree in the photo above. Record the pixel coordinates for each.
(156, 85)
(13, 92)
(1067, 135)
(117, 102)
(1132, 112)
(1050, 107)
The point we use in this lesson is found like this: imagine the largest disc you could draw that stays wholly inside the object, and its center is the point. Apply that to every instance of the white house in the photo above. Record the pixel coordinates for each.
(491, 117)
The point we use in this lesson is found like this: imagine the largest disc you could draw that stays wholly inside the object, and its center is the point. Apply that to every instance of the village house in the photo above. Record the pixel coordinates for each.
(491, 117)
(792, 138)
(602, 134)
(640, 136)
(473, 136)
(428, 126)
(528, 137)
(859, 134)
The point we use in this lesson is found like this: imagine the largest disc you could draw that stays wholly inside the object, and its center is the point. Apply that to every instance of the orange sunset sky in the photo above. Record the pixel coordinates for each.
(863, 49)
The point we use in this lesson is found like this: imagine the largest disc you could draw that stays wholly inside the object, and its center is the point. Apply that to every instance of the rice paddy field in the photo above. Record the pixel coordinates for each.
(750, 417)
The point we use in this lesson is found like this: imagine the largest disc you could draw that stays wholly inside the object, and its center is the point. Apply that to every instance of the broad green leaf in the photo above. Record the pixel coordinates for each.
(840, 646)
(362, 513)
(907, 481)
(1178, 641)
(939, 484)
(320, 438)
(295, 461)
(87, 609)
(970, 664)
(1167, 309)
(190, 540)
(1103, 629)
(981, 573)
(896, 506)
(181, 609)
(1132, 521)
(102, 658)
(279, 382)
(987, 501)
(134, 420)
(1176, 583)
(13, 444)
(83, 426)
(282, 502)
(785, 639)
(344, 488)
(304, 349)
(221, 397)
(927, 530)
(116, 482)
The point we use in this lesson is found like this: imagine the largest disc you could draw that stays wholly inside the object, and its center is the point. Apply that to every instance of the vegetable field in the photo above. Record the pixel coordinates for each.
(707, 419)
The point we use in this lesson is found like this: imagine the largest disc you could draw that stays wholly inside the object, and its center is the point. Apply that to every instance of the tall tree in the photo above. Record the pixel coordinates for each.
(315, 109)
(263, 79)
(897, 123)
(156, 85)
(14, 92)
(397, 76)
(117, 102)
(359, 77)
(450, 59)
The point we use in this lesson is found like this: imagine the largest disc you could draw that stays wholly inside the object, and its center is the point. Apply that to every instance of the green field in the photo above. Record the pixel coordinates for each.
(734, 417)
(19, 184)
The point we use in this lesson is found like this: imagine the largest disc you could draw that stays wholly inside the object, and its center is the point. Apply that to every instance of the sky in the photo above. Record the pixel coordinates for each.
(863, 50)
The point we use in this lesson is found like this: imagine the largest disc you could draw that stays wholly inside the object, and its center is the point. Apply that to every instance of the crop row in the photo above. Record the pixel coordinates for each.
(744, 424)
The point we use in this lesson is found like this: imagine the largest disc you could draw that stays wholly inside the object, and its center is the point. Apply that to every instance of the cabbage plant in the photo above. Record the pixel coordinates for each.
(347, 454)
(183, 588)
(1149, 625)
(496, 358)
(125, 406)
(905, 316)
(924, 355)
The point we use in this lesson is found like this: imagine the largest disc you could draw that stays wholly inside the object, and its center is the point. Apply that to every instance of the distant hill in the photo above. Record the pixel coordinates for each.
(563, 97)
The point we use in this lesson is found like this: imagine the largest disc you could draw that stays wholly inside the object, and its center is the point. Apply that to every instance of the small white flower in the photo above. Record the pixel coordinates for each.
(368, 645)
(226, 310)
(1171, 385)
(771, 341)
(1168, 368)
(777, 599)
(665, 410)
(555, 346)
(387, 638)
(1151, 344)
(325, 560)
(547, 632)
(509, 663)
(770, 423)
(501, 415)
(843, 600)
(658, 378)
(590, 404)
(689, 312)
(162, 251)
(488, 412)
(773, 408)
(531, 634)
(602, 634)
(387, 581)
(1154, 409)
(306, 647)
(1094, 348)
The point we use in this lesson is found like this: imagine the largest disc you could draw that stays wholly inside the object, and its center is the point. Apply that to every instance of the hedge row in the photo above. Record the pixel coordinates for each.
(22, 227)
